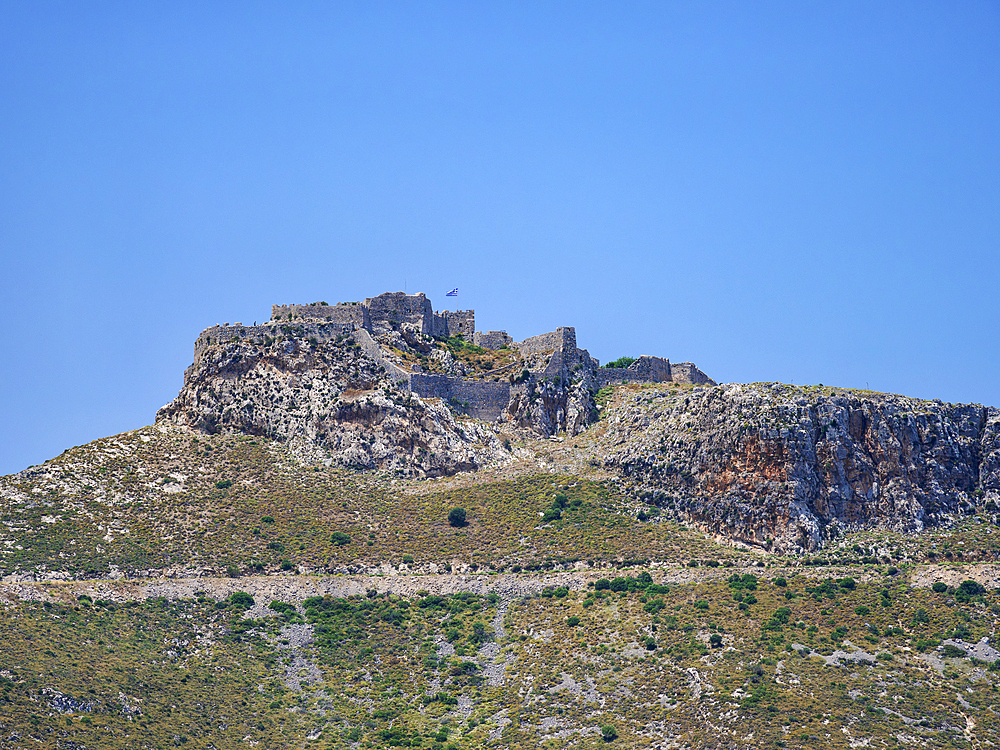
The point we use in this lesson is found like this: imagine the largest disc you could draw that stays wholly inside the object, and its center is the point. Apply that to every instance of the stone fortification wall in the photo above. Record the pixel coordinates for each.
(648, 369)
(373, 350)
(561, 345)
(454, 323)
(392, 309)
(547, 356)
(686, 372)
(321, 330)
(654, 369)
(353, 313)
(486, 399)
(396, 308)
(611, 375)
(563, 338)
(492, 339)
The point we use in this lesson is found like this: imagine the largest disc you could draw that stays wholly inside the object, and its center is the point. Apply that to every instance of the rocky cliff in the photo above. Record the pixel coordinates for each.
(331, 402)
(785, 468)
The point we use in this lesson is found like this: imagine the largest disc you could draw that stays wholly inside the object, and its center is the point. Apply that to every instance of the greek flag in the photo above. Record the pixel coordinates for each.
(452, 293)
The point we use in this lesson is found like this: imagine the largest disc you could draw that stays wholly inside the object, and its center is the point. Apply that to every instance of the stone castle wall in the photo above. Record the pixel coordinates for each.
(459, 322)
(373, 350)
(486, 399)
(321, 330)
(391, 308)
(559, 339)
(648, 369)
(396, 308)
(352, 313)
(687, 372)
(611, 375)
(492, 339)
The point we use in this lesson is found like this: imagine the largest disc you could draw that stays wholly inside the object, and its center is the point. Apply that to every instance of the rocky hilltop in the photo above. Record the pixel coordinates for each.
(331, 403)
(388, 384)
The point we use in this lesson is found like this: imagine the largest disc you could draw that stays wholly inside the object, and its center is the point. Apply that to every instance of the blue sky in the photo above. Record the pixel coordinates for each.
(797, 191)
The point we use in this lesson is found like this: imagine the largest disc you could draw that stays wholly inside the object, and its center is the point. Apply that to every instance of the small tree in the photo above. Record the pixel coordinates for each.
(241, 600)
(608, 733)
(456, 517)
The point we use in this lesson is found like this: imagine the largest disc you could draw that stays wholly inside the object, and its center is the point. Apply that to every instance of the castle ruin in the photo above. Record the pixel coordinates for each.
(391, 325)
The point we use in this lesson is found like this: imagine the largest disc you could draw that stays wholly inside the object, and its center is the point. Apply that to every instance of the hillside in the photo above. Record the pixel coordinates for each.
(276, 562)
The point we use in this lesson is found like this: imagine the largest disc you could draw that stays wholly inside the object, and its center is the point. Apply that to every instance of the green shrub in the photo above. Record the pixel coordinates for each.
(407, 559)
(608, 732)
(340, 538)
(715, 640)
(602, 584)
(267, 519)
(747, 581)
(241, 600)
(224, 484)
(848, 584)
(620, 363)
(573, 621)
(456, 517)
(781, 582)
(861, 610)
(949, 651)
(939, 587)
(654, 606)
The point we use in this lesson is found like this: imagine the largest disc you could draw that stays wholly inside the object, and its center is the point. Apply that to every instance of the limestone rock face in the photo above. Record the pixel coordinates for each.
(560, 399)
(786, 468)
(331, 402)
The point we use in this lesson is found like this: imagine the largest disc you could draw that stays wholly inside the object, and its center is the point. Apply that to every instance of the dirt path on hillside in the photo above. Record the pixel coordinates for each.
(295, 589)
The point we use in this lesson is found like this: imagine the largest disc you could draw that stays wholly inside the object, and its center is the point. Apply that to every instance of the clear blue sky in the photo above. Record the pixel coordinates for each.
(794, 191)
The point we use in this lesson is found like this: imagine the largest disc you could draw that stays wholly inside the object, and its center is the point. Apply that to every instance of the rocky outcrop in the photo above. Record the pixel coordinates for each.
(785, 468)
(558, 393)
(331, 401)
